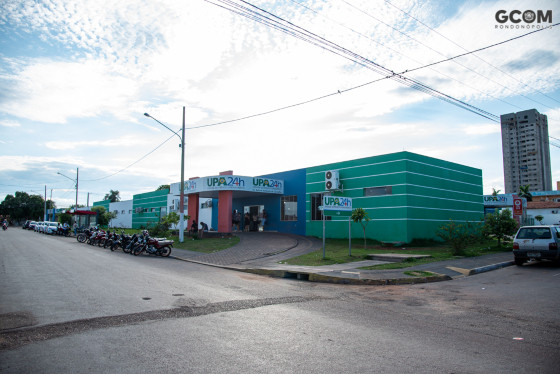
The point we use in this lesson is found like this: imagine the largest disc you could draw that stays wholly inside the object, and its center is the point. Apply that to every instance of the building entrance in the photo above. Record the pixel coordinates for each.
(255, 214)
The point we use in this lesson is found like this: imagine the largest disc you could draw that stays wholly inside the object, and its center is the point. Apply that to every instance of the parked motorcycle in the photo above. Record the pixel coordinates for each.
(4, 225)
(154, 246)
(127, 248)
(84, 236)
(96, 237)
(120, 241)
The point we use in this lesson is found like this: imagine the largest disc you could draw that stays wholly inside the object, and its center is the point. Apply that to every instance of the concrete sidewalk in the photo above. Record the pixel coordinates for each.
(260, 253)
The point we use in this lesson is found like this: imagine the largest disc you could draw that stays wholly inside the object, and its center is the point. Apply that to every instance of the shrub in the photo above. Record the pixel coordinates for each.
(460, 235)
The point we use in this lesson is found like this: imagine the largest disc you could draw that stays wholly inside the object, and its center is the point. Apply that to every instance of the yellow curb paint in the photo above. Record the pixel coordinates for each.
(460, 270)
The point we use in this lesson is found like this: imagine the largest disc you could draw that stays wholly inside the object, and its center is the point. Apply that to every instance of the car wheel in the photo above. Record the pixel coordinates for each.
(519, 261)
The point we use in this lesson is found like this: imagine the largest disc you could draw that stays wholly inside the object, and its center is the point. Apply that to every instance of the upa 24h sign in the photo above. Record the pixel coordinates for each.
(336, 204)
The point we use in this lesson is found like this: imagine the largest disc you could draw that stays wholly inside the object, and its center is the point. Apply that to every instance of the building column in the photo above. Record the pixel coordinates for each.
(192, 209)
(225, 204)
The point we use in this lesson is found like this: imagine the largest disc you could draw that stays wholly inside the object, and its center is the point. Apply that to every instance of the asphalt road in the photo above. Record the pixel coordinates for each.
(67, 307)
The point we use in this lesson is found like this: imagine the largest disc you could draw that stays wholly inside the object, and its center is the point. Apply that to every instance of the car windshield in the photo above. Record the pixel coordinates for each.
(534, 233)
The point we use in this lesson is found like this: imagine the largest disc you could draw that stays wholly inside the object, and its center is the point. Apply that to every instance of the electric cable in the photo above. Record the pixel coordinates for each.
(432, 49)
(410, 58)
(338, 92)
(463, 48)
(260, 15)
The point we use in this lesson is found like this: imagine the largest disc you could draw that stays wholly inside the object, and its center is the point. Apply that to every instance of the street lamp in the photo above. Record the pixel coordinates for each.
(75, 181)
(182, 202)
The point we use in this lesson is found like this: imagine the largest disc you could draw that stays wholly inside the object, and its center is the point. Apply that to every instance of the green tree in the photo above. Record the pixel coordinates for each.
(163, 187)
(459, 235)
(500, 225)
(524, 192)
(103, 216)
(162, 227)
(64, 218)
(495, 192)
(23, 206)
(539, 218)
(359, 215)
(112, 196)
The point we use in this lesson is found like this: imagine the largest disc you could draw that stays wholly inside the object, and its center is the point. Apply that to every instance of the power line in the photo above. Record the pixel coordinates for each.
(489, 116)
(480, 58)
(432, 49)
(262, 16)
(134, 163)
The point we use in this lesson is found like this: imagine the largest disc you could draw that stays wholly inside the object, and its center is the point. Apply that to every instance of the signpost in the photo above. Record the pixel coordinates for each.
(337, 206)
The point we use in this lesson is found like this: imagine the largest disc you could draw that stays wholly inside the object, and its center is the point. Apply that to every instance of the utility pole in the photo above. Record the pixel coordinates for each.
(77, 170)
(182, 204)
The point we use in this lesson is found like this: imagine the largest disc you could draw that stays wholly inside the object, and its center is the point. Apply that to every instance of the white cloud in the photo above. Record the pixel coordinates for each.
(9, 123)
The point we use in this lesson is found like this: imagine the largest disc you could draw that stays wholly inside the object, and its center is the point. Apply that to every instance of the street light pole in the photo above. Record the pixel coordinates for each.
(182, 187)
(77, 170)
(182, 204)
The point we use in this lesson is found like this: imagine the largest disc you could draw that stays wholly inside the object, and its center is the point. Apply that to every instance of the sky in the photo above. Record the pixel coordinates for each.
(77, 76)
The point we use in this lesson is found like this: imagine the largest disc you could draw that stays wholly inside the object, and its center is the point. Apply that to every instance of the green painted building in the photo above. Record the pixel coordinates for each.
(148, 208)
(406, 195)
(103, 203)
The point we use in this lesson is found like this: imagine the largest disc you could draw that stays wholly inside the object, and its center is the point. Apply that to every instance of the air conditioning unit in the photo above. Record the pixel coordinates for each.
(332, 180)
(554, 212)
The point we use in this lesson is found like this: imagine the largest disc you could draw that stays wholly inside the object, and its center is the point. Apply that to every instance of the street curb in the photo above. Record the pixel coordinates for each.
(484, 269)
(320, 278)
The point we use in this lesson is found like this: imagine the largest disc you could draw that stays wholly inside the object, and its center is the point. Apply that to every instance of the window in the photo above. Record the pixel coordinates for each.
(378, 191)
(288, 208)
(122, 212)
(316, 202)
(153, 210)
(130, 211)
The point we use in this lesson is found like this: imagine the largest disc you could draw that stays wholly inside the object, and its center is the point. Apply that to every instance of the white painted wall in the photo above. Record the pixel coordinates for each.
(124, 214)
(551, 215)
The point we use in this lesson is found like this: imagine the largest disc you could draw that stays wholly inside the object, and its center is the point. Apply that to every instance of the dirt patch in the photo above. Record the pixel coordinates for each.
(15, 320)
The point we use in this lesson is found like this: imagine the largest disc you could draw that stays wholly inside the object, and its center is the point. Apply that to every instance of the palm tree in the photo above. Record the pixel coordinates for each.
(495, 192)
(524, 192)
(112, 196)
(359, 215)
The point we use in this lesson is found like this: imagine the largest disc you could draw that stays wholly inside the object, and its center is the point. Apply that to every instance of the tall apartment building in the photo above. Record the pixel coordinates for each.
(526, 151)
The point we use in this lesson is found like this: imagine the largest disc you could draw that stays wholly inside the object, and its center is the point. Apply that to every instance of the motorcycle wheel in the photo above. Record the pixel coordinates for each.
(81, 238)
(138, 250)
(126, 249)
(101, 243)
(165, 251)
(107, 243)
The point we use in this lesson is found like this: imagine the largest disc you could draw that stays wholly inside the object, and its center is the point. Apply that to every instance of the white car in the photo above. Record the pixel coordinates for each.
(51, 228)
(536, 243)
(39, 226)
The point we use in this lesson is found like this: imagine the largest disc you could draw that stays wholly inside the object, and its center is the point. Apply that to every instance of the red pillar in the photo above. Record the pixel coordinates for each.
(193, 209)
(225, 204)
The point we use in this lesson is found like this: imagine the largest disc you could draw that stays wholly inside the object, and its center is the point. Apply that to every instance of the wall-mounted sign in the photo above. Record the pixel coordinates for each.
(230, 183)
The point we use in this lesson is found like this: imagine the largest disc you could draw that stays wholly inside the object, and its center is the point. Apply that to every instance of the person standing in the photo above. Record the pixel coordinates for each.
(264, 216)
(246, 222)
(236, 219)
